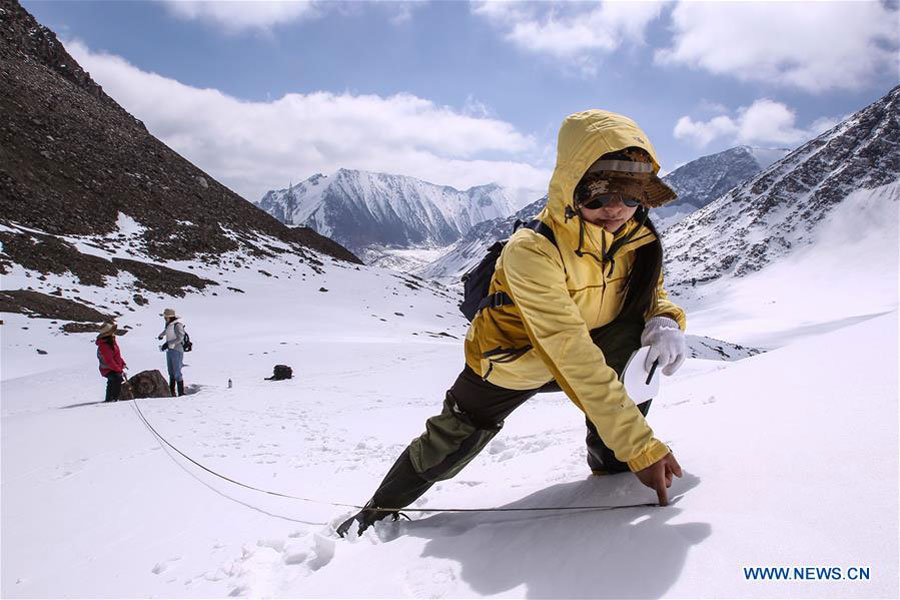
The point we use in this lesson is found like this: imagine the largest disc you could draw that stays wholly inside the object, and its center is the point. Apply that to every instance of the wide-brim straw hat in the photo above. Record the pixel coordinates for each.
(169, 313)
(106, 329)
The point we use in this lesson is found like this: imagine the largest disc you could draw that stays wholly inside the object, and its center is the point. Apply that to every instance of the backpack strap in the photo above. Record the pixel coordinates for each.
(495, 301)
(499, 299)
(543, 229)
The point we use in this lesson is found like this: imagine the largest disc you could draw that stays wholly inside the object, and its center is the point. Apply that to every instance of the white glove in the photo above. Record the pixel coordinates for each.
(666, 341)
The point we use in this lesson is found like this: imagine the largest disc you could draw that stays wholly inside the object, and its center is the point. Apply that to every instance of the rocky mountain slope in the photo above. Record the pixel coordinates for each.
(778, 210)
(86, 190)
(361, 209)
(702, 180)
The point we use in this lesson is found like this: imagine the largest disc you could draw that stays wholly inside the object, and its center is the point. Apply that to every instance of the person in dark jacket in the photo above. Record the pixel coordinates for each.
(112, 366)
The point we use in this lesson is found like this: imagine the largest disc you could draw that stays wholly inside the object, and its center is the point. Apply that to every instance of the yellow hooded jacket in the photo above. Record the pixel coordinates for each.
(559, 297)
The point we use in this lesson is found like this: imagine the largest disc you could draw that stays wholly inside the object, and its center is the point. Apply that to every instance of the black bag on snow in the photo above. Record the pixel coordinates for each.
(477, 280)
(281, 372)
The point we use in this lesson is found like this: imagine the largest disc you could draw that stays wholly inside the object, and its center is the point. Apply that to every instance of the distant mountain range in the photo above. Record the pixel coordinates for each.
(360, 209)
(384, 218)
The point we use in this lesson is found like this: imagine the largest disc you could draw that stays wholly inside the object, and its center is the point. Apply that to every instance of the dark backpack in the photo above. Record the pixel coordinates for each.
(477, 280)
(281, 372)
(186, 343)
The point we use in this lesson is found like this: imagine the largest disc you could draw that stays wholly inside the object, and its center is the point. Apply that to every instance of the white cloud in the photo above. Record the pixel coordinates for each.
(569, 30)
(255, 146)
(823, 124)
(401, 11)
(236, 16)
(473, 107)
(713, 108)
(814, 46)
(701, 133)
(239, 15)
(765, 122)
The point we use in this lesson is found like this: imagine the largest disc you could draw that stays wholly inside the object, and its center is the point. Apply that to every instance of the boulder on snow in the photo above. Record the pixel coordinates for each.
(146, 384)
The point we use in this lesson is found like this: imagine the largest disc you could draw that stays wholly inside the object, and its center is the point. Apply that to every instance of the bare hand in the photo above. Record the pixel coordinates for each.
(659, 476)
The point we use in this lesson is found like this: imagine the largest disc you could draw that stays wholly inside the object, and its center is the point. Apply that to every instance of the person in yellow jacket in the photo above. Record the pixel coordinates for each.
(573, 302)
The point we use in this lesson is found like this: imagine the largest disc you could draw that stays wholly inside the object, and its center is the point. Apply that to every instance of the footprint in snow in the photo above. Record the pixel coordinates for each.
(259, 566)
(163, 566)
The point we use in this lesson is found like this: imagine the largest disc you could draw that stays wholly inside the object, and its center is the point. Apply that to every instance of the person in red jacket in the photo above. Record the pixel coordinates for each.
(111, 364)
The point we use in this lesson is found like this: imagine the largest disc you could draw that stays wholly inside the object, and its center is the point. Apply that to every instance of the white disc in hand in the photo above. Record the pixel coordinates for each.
(639, 383)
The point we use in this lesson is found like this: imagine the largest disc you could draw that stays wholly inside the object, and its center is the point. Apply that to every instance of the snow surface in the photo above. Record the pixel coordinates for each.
(791, 457)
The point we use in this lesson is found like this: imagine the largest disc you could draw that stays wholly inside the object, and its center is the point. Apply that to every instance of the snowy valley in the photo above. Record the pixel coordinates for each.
(784, 418)
(107, 510)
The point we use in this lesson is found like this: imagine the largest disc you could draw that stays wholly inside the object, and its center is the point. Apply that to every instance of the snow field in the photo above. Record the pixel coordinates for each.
(790, 456)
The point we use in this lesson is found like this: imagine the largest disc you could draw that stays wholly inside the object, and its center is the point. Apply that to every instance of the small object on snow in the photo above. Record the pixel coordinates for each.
(281, 372)
(229, 383)
(39, 351)
(640, 384)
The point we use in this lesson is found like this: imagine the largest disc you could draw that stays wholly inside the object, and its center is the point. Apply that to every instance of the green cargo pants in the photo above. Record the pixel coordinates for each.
(473, 413)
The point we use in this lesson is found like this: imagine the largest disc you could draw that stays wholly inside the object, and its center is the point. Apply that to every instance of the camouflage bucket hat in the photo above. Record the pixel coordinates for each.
(628, 172)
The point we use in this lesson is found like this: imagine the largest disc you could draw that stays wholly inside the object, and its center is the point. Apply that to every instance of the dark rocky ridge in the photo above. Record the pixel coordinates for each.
(36, 304)
(72, 159)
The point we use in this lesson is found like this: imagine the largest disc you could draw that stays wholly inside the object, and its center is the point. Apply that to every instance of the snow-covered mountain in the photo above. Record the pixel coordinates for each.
(778, 210)
(701, 181)
(362, 209)
(471, 248)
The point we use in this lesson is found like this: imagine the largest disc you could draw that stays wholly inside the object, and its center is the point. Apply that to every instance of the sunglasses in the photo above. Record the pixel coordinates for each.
(600, 200)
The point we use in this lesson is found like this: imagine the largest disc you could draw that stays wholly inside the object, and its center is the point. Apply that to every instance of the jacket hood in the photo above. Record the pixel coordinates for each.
(583, 138)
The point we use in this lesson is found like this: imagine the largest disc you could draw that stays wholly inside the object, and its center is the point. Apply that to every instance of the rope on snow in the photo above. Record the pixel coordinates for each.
(391, 510)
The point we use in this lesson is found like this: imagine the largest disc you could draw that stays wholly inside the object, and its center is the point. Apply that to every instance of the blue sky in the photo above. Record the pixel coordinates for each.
(462, 93)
